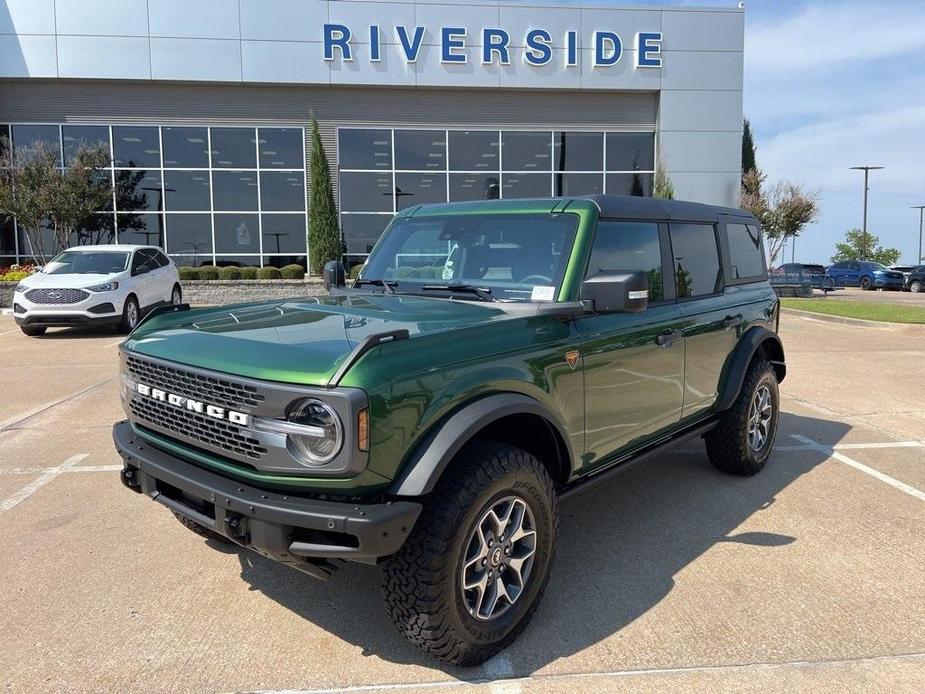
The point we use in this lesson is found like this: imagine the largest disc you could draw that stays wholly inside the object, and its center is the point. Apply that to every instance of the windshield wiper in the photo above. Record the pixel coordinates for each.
(388, 285)
(483, 293)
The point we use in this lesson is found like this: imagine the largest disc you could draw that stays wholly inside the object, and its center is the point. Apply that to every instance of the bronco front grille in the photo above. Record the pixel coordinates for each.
(56, 296)
(210, 389)
(190, 425)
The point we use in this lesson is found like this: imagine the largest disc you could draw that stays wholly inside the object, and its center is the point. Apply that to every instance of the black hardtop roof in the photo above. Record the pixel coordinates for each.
(634, 207)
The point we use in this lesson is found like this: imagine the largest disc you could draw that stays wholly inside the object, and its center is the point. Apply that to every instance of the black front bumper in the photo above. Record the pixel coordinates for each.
(298, 531)
(65, 320)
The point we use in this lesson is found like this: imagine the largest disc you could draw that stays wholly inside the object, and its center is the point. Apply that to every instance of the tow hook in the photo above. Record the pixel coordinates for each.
(129, 476)
(237, 527)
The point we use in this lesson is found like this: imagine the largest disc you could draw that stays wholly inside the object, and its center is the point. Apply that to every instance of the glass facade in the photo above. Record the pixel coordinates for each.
(230, 195)
(382, 171)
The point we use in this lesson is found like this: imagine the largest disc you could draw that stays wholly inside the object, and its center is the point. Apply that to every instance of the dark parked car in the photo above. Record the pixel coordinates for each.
(866, 275)
(915, 281)
(802, 273)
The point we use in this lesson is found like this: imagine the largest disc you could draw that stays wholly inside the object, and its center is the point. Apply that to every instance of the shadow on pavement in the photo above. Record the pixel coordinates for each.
(619, 549)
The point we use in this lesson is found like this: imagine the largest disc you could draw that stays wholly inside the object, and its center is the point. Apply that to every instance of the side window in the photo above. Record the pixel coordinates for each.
(138, 260)
(161, 259)
(745, 251)
(696, 259)
(628, 246)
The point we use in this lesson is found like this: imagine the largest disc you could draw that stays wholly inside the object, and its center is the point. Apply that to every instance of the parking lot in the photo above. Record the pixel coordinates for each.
(672, 576)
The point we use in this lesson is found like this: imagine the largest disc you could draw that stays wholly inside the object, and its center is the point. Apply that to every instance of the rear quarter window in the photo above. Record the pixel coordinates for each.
(746, 255)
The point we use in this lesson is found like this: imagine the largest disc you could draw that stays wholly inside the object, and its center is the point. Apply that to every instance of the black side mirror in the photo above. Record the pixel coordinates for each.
(615, 291)
(334, 274)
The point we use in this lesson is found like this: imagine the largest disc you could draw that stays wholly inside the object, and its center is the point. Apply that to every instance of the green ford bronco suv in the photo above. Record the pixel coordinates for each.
(492, 359)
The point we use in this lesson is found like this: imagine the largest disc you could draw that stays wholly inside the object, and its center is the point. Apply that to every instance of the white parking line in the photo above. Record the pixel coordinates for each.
(888, 444)
(40, 482)
(851, 462)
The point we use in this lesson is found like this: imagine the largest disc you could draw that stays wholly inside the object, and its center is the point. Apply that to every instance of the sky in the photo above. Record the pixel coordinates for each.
(831, 84)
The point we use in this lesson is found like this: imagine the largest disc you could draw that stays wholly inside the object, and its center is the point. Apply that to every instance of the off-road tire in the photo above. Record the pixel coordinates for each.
(32, 330)
(421, 583)
(915, 286)
(125, 325)
(728, 444)
(200, 530)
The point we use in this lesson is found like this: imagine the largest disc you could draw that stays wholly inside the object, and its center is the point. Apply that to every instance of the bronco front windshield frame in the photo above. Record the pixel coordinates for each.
(518, 257)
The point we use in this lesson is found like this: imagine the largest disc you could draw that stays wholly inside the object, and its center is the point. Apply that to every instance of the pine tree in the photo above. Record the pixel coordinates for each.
(324, 241)
(748, 148)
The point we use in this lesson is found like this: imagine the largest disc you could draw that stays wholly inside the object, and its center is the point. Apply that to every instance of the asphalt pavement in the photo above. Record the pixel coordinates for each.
(671, 577)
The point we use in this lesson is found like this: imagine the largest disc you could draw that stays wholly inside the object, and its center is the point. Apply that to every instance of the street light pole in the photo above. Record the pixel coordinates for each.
(866, 170)
(921, 209)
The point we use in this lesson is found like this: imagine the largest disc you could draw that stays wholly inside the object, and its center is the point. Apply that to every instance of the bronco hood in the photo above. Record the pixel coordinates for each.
(296, 340)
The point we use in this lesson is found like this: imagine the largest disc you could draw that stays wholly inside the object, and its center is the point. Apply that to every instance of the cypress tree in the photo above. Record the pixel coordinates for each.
(324, 242)
(748, 147)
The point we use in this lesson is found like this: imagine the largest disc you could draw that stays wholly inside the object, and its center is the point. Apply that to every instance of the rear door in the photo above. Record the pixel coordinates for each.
(633, 363)
(710, 318)
(142, 281)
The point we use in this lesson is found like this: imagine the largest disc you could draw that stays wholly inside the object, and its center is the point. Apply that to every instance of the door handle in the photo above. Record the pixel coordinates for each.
(732, 321)
(666, 339)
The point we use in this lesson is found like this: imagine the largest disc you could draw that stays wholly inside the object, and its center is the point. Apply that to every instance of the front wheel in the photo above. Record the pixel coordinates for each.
(130, 315)
(865, 283)
(915, 287)
(472, 571)
(742, 441)
(176, 295)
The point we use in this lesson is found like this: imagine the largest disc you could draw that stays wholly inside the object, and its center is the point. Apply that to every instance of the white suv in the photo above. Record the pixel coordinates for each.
(96, 285)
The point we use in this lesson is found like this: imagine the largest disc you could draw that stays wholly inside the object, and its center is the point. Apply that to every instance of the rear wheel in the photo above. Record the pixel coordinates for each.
(742, 441)
(472, 571)
(130, 315)
(865, 283)
(915, 286)
(33, 330)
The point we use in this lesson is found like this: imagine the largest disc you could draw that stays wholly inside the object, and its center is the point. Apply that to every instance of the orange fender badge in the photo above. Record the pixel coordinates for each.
(572, 358)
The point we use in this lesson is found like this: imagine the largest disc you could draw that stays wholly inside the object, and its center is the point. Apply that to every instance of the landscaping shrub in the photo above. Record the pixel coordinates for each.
(229, 273)
(14, 273)
(355, 271)
(293, 272)
(188, 273)
(269, 273)
(248, 273)
(209, 272)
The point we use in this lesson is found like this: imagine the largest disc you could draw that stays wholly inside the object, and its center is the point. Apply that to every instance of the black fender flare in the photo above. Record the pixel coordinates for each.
(737, 364)
(438, 448)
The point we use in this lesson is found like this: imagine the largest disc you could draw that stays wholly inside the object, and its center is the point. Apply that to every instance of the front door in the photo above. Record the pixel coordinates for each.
(633, 363)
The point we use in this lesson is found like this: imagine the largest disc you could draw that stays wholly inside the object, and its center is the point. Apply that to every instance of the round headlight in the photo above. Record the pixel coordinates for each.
(323, 435)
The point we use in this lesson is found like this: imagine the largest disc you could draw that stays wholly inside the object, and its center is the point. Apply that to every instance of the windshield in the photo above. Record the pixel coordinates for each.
(516, 257)
(87, 263)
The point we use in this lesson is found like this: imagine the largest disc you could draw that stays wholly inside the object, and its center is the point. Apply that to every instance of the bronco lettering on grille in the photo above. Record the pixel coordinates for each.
(192, 405)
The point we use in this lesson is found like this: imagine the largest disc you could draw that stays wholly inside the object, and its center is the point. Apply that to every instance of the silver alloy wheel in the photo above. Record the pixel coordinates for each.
(759, 418)
(916, 286)
(499, 558)
(132, 313)
(175, 297)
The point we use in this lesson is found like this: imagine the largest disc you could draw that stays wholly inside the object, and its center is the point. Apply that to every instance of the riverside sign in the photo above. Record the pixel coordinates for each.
(495, 46)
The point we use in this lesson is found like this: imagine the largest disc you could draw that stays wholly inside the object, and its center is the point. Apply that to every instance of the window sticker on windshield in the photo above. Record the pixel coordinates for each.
(543, 292)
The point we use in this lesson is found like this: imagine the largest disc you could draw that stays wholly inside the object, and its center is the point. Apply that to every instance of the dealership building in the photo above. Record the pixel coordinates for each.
(205, 107)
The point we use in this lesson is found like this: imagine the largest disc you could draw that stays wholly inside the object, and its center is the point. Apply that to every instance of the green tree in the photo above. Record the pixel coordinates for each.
(860, 246)
(663, 187)
(324, 242)
(42, 196)
(783, 211)
(748, 148)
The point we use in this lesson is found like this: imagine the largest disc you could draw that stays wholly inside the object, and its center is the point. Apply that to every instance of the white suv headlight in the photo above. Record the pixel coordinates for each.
(20, 288)
(105, 287)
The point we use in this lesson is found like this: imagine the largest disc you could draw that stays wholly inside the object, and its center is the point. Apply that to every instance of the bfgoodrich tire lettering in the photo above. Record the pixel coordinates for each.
(742, 441)
(422, 582)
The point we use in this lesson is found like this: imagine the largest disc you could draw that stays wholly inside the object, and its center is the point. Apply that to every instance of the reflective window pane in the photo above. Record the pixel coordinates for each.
(696, 259)
(282, 191)
(187, 190)
(366, 192)
(144, 228)
(138, 190)
(361, 231)
(465, 186)
(579, 184)
(630, 151)
(281, 148)
(190, 234)
(136, 146)
(234, 190)
(420, 149)
(284, 260)
(364, 149)
(526, 151)
(474, 150)
(27, 137)
(87, 136)
(237, 261)
(630, 184)
(236, 233)
(416, 189)
(531, 185)
(233, 148)
(97, 229)
(7, 236)
(185, 148)
(745, 252)
(284, 233)
(625, 246)
(578, 151)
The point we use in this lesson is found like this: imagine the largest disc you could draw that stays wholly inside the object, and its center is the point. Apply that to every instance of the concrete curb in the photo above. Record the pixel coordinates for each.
(860, 322)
